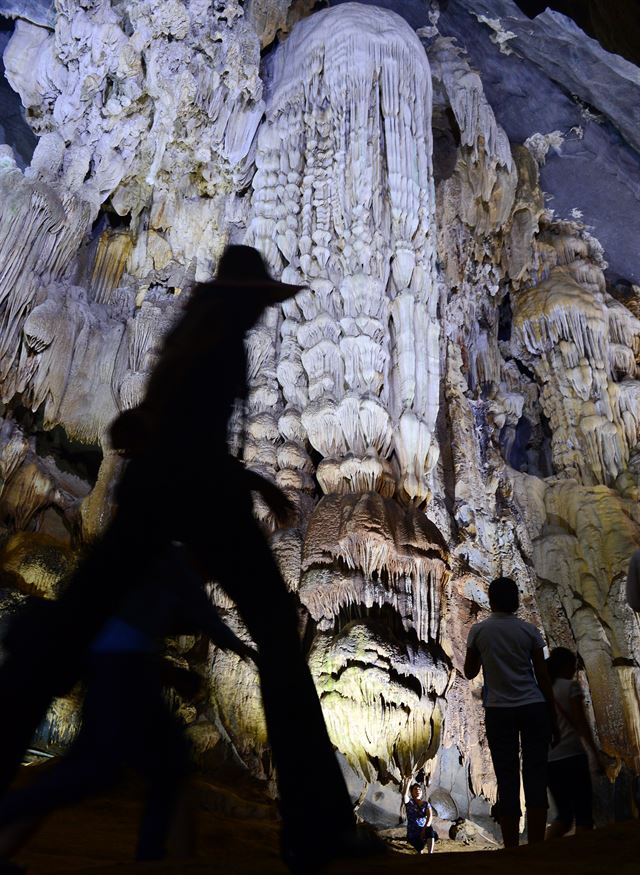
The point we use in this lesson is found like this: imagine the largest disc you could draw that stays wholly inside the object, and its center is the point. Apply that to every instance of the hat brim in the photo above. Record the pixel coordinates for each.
(275, 291)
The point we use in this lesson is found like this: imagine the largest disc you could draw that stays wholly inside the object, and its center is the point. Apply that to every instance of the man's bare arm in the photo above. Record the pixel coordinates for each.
(546, 688)
(472, 663)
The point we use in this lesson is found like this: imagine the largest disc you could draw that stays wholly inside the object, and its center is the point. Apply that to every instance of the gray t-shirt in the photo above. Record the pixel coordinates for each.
(506, 644)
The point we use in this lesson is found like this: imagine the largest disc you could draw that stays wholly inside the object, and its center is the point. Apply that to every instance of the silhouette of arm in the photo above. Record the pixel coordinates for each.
(472, 663)
(221, 635)
(546, 688)
(217, 631)
(196, 609)
(281, 506)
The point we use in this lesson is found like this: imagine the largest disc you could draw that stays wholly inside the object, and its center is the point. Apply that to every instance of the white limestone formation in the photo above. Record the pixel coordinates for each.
(583, 345)
(343, 197)
(150, 111)
(479, 129)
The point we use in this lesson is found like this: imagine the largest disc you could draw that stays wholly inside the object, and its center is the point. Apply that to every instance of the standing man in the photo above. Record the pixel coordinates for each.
(519, 708)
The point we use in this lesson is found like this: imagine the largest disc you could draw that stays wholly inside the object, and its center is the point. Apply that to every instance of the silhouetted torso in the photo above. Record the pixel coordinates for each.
(201, 371)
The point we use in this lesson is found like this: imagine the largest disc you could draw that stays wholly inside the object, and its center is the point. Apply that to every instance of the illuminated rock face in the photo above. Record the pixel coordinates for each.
(453, 398)
(374, 580)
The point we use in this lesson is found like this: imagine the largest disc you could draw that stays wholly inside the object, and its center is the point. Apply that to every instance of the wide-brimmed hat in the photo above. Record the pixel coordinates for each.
(243, 267)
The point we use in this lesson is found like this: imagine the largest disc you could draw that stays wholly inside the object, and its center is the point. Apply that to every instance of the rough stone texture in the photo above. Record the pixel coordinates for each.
(591, 169)
(344, 170)
(453, 397)
(275, 18)
(40, 12)
(566, 55)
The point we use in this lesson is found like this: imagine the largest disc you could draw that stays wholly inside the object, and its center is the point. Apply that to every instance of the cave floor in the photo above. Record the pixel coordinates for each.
(239, 835)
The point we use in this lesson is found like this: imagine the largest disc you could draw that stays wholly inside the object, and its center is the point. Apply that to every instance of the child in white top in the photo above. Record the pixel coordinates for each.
(569, 775)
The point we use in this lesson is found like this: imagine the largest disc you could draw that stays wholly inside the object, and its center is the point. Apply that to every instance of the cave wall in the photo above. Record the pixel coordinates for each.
(452, 398)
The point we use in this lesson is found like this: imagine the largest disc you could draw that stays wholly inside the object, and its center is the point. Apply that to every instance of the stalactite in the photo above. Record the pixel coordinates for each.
(337, 103)
(582, 342)
(382, 721)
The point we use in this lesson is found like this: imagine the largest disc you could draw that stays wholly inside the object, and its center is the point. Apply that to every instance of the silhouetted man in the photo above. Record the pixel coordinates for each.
(182, 484)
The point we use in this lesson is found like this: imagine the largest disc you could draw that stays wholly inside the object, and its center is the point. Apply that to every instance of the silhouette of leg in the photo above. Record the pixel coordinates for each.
(297, 732)
(92, 765)
(161, 753)
(535, 733)
(502, 735)
(31, 664)
(49, 648)
(124, 720)
(536, 824)
(25, 697)
(562, 792)
(582, 793)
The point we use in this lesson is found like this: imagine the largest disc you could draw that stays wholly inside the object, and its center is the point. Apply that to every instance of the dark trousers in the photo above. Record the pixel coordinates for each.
(570, 786)
(419, 839)
(125, 721)
(195, 499)
(508, 729)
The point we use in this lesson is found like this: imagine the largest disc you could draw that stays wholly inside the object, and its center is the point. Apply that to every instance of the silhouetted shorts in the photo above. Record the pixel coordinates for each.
(419, 842)
(570, 786)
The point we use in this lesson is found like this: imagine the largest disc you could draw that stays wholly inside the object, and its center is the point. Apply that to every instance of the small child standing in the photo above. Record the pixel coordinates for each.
(420, 832)
(569, 775)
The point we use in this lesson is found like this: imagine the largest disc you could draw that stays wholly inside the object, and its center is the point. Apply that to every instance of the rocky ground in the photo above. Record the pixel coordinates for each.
(238, 834)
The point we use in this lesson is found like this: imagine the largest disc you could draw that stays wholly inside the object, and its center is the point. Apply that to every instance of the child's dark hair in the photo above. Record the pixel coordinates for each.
(503, 595)
(560, 660)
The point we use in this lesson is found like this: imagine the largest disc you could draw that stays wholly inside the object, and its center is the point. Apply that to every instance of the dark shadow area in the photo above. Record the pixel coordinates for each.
(505, 319)
(14, 130)
(71, 457)
(180, 485)
(446, 139)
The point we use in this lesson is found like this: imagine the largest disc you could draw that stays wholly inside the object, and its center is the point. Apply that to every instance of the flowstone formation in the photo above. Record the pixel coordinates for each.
(454, 396)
